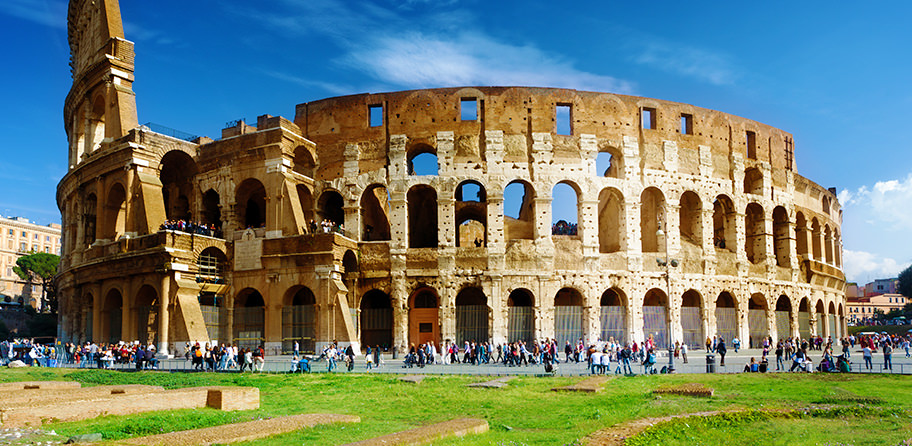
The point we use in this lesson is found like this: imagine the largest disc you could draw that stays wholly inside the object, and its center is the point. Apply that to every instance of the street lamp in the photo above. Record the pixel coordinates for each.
(668, 263)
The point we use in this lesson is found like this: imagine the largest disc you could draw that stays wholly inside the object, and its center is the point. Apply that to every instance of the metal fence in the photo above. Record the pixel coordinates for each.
(727, 323)
(613, 320)
(804, 324)
(692, 326)
(568, 323)
(147, 324)
(655, 323)
(214, 317)
(377, 326)
(472, 323)
(757, 326)
(298, 325)
(249, 327)
(783, 325)
(521, 324)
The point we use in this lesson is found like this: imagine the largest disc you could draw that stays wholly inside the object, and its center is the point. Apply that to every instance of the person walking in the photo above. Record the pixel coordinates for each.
(866, 354)
(684, 352)
(721, 350)
(331, 358)
(888, 356)
(779, 351)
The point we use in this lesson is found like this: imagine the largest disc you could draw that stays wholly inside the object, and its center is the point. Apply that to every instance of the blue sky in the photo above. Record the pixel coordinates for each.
(836, 77)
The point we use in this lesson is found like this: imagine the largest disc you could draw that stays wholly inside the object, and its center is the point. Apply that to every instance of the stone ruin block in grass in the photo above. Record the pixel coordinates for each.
(689, 389)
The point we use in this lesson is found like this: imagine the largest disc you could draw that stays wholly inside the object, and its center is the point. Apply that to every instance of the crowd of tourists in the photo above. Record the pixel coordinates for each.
(28, 352)
(217, 358)
(563, 228)
(326, 227)
(192, 227)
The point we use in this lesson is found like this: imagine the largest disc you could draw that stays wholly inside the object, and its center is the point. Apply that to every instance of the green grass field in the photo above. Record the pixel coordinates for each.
(856, 409)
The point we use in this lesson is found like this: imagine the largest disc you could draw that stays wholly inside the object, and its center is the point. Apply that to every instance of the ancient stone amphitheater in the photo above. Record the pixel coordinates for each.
(485, 213)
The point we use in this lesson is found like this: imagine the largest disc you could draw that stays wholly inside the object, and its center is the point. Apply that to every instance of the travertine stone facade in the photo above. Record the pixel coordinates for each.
(699, 225)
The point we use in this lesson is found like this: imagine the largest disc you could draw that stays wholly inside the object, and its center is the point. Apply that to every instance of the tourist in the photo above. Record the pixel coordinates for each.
(684, 352)
(866, 354)
(752, 366)
(736, 343)
(798, 360)
(888, 356)
(721, 349)
(330, 357)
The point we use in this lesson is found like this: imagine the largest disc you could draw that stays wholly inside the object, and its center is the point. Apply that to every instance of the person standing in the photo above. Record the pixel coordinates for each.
(779, 351)
(866, 354)
(888, 356)
(331, 358)
(297, 348)
(721, 350)
(684, 352)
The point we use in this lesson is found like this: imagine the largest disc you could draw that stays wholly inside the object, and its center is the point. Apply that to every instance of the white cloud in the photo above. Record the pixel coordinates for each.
(862, 267)
(688, 61)
(886, 202)
(51, 13)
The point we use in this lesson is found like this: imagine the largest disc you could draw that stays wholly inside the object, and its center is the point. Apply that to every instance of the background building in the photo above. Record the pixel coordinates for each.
(863, 302)
(431, 215)
(19, 237)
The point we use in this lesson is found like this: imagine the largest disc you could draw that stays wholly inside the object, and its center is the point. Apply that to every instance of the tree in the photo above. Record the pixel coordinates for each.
(905, 282)
(40, 267)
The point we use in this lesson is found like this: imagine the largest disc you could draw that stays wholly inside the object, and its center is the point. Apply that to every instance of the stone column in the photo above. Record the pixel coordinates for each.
(164, 315)
(399, 298)
(97, 324)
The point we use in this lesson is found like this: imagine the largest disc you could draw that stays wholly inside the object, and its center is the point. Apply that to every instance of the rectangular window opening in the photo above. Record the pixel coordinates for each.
(687, 122)
(649, 118)
(376, 115)
(751, 145)
(468, 109)
(562, 117)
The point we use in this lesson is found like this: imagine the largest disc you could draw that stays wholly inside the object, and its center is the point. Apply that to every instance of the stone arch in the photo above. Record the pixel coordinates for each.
(782, 242)
(832, 325)
(177, 172)
(613, 315)
(655, 317)
(96, 124)
(305, 199)
(801, 234)
(753, 181)
(724, 228)
(691, 219)
(89, 218)
(783, 317)
(804, 318)
(568, 315)
(652, 215)
(519, 210)
(304, 161)
(692, 318)
(521, 316)
(755, 233)
(473, 315)
(815, 240)
(422, 215)
(299, 321)
(424, 320)
(115, 212)
(145, 307)
(212, 209)
(376, 319)
(563, 220)
(609, 162)
(112, 317)
(471, 214)
(375, 213)
(251, 203)
(825, 204)
(331, 206)
(726, 316)
(837, 248)
(422, 160)
(249, 319)
(757, 325)
(611, 220)
(828, 244)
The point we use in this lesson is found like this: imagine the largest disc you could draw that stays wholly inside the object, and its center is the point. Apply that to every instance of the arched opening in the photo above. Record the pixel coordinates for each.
(97, 124)
(724, 215)
(471, 214)
(726, 316)
(112, 317)
(472, 315)
(251, 203)
(837, 248)
(815, 240)
(422, 210)
(211, 266)
(519, 211)
(757, 323)
(422, 160)
(521, 316)
(303, 161)
(177, 172)
(299, 320)
(613, 316)
(375, 214)
(376, 320)
(821, 318)
(608, 164)
(88, 218)
(612, 227)
(424, 321)
(88, 315)
(828, 244)
(825, 205)
(79, 137)
(249, 319)
(652, 218)
(115, 212)
(755, 234)
(801, 235)
(691, 219)
(782, 242)
(146, 310)
(753, 181)
(331, 210)
(804, 319)
(564, 209)
(784, 317)
(305, 199)
(655, 317)
(692, 318)
(212, 210)
(568, 316)
(841, 323)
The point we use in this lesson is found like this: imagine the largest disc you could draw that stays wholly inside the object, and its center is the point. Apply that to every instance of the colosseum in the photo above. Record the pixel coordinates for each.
(397, 218)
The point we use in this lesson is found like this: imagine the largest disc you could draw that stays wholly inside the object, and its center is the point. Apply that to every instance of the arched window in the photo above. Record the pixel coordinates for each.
(655, 317)
(146, 311)
(331, 207)
(724, 215)
(692, 318)
(375, 214)
(801, 234)
(115, 212)
(726, 316)
(251, 203)
(422, 160)
(753, 181)
(177, 174)
(422, 214)
(96, 124)
(828, 243)
(691, 219)
(303, 162)
(212, 209)
(782, 242)
(112, 317)
(564, 209)
(608, 164)
(472, 315)
(613, 316)
(249, 319)
(471, 214)
(305, 199)
(520, 316)
(376, 320)
(755, 232)
(519, 211)
(815, 240)
(612, 227)
(783, 317)
(89, 219)
(804, 318)
(568, 316)
(756, 320)
(652, 219)
(299, 320)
